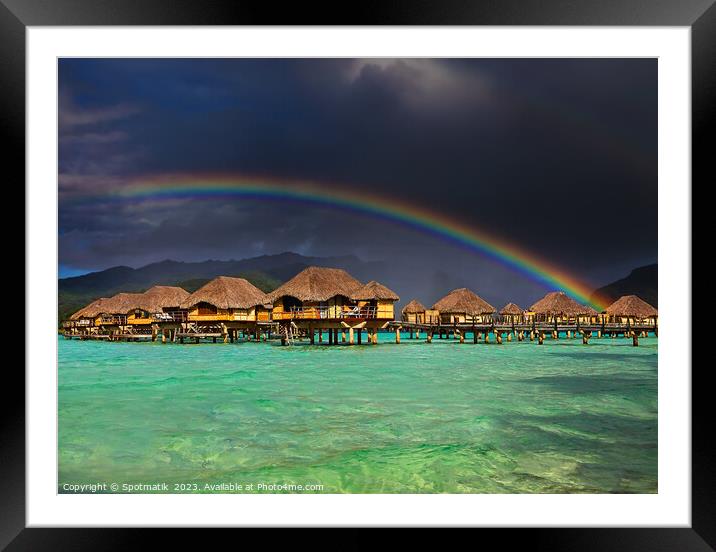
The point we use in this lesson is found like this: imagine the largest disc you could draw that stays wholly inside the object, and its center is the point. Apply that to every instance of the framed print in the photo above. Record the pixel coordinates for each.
(396, 271)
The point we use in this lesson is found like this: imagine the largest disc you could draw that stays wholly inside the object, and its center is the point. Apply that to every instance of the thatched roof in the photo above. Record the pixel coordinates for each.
(152, 300)
(317, 283)
(558, 302)
(95, 308)
(511, 308)
(374, 290)
(225, 292)
(158, 297)
(631, 305)
(463, 301)
(122, 303)
(414, 307)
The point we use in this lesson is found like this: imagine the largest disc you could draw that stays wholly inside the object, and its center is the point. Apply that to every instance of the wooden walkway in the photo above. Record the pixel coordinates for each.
(521, 331)
(487, 333)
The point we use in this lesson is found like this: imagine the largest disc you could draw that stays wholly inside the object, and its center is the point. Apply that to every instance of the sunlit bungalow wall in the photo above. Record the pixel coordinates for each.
(512, 314)
(463, 306)
(226, 299)
(558, 307)
(416, 313)
(632, 310)
(413, 312)
(289, 307)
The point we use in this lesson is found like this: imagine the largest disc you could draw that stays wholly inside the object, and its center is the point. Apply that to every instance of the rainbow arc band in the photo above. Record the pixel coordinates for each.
(419, 218)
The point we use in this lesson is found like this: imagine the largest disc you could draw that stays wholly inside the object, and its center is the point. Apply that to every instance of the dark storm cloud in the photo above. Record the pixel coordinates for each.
(543, 152)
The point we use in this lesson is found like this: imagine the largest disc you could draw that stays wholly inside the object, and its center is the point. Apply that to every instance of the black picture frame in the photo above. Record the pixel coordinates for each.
(16, 15)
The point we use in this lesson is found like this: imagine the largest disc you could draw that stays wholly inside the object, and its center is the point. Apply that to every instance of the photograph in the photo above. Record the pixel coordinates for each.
(333, 275)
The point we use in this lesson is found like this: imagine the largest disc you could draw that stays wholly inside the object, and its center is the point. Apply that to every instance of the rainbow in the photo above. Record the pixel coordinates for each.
(419, 218)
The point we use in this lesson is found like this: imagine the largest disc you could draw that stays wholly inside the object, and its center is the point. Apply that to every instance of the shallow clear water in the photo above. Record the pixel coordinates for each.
(443, 417)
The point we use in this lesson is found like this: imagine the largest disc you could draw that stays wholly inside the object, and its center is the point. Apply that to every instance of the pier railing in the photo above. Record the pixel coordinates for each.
(326, 313)
(171, 316)
(81, 323)
(117, 319)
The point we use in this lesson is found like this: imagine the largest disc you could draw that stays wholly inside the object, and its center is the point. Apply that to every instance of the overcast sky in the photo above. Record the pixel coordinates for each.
(559, 156)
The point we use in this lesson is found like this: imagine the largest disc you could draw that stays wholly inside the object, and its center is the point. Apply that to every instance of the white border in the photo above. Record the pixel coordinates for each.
(671, 506)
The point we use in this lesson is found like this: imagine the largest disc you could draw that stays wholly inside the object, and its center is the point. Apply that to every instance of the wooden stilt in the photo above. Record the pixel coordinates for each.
(475, 335)
(350, 336)
(397, 335)
(498, 335)
(635, 339)
(532, 335)
(462, 337)
(509, 336)
(343, 336)
(541, 338)
(429, 338)
(360, 336)
(330, 336)
(487, 337)
(320, 335)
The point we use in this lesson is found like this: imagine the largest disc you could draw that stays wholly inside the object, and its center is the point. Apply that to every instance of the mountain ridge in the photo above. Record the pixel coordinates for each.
(642, 281)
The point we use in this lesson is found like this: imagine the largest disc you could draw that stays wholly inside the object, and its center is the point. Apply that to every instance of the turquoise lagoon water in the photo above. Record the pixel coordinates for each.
(443, 417)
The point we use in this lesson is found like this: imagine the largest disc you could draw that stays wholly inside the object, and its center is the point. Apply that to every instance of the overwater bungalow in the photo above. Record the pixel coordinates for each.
(315, 293)
(512, 314)
(416, 313)
(118, 308)
(558, 307)
(631, 310)
(156, 305)
(86, 320)
(227, 299)
(222, 308)
(463, 306)
(320, 298)
(413, 312)
(375, 298)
